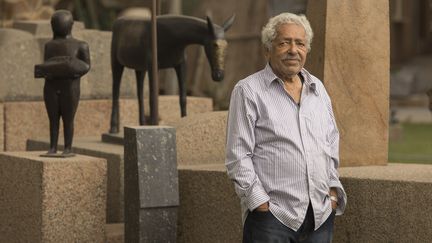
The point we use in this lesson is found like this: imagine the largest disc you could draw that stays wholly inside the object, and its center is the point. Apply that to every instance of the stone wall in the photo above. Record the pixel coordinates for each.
(385, 204)
(23, 47)
(28, 119)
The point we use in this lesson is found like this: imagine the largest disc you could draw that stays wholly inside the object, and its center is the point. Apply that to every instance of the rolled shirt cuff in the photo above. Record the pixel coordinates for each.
(256, 197)
(342, 198)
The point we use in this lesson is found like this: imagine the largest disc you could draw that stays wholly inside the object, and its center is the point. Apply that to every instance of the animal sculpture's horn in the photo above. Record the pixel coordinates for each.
(228, 23)
(210, 26)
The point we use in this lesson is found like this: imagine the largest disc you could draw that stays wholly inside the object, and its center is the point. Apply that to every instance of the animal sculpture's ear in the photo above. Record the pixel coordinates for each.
(228, 23)
(210, 26)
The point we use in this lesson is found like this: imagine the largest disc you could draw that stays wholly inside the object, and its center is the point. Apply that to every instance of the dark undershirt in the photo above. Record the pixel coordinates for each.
(302, 80)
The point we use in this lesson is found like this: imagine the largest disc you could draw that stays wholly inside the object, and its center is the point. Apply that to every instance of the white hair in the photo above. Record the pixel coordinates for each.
(268, 33)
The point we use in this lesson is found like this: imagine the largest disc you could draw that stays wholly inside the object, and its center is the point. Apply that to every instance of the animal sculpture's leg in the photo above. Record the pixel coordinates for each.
(153, 97)
(117, 71)
(181, 77)
(140, 89)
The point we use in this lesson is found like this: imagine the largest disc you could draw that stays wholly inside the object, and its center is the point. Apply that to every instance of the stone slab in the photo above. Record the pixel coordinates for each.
(92, 146)
(8, 36)
(151, 166)
(1, 127)
(21, 50)
(155, 225)
(355, 73)
(98, 82)
(24, 120)
(52, 199)
(391, 203)
(17, 80)
(42, 28)
(383, 201)
(204, 133)
(114, 138)
(209, 207)
(114, 233)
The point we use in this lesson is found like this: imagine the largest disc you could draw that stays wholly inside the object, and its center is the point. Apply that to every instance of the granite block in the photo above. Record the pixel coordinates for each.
(151, 184)
(52, 199)
(150, 165)
(355, 73)
(203, 133)
(92, 146)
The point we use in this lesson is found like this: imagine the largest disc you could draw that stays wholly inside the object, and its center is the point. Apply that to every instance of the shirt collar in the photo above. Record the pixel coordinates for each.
(270, 77)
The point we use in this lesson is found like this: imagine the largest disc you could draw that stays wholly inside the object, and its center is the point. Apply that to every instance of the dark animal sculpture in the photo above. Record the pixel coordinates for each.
(131, 47)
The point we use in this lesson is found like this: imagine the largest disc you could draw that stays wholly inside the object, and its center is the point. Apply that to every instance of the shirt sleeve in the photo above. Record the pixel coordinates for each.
(333, 139)
(239, 149)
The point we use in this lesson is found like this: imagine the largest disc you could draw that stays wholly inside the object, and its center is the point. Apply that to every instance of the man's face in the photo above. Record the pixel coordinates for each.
(288, 54)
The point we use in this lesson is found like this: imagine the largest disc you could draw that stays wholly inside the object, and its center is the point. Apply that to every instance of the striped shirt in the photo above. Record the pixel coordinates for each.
(282, 152)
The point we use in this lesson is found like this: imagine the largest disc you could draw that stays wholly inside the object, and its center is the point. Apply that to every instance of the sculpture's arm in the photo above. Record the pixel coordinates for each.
(84, 54)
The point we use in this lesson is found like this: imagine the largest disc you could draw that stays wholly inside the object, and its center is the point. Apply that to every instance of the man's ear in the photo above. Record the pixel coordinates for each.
(266, 52)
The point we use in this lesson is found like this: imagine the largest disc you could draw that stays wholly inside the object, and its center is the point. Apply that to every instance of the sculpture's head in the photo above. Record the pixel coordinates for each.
(215, 47)
(61, 23)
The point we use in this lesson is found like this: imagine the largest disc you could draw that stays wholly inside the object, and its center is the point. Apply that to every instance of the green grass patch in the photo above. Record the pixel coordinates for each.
(414, 146)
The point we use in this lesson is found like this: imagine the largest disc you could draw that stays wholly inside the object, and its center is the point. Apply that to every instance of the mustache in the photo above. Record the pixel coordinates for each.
(291, 58)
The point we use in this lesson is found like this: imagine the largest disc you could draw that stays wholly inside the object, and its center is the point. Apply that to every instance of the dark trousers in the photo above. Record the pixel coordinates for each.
(263, 227)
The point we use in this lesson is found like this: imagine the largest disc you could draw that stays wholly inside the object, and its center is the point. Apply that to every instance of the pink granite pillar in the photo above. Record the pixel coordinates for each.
(351, 55)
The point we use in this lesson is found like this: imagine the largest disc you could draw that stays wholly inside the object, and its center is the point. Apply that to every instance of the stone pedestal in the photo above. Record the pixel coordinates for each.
(92, 146)
(351, 55)
(151, 184)
(51, 199)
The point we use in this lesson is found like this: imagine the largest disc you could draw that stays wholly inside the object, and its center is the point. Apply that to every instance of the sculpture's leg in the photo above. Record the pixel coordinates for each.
(53, 109)
(117, 71)
(140, 89)
(69, 100)
(181, 77)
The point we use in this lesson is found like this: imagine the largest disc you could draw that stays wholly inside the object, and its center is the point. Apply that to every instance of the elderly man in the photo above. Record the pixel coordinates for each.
(283, 143)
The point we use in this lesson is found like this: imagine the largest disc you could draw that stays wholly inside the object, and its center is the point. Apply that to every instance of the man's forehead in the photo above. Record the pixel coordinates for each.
(296, 31)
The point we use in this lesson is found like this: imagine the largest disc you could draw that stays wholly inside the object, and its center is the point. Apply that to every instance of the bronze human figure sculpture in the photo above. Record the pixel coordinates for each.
(131, 47)
(66, 59)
